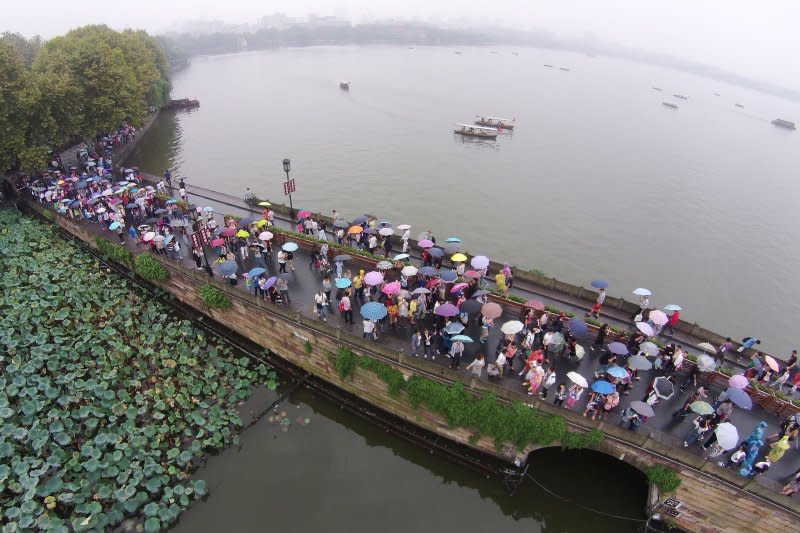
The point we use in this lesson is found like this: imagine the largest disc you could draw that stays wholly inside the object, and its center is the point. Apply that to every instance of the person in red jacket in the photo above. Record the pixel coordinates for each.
(673, 320)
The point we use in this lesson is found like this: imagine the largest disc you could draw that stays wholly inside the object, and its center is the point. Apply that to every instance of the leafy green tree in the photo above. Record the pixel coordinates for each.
(12, 87)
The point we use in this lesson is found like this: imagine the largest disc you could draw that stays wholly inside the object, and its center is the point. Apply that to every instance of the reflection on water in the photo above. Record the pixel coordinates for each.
(162, 147)
(341, 473)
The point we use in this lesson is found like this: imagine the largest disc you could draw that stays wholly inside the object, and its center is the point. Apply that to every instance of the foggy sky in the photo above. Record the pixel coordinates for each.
(755, 38)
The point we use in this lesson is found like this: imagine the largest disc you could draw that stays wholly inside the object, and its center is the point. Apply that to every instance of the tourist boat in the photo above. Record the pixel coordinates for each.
(657, 89)
(716, 94)
(739, 105)
(344, 85)
(682, 97)
(549, 66)
(670, 104)
(564, 69)
(471, 130)
(496, 122)
(457, 52)
(183, 103)
(515, 53)
(784, 124)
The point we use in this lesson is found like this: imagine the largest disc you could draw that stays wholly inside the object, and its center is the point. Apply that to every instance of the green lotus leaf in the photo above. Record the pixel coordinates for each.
(199, 486)
(152, 525)
(6, 412)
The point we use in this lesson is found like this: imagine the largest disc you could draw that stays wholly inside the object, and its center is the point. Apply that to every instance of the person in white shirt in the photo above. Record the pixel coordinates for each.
(369, 330)
(404, 238)
(321, 301)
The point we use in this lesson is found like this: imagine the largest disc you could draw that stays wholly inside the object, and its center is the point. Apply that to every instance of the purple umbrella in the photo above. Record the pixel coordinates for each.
(425, 243)
(428, 271)
(373, 278)
(436, 252)
(617, 348)
(740, 398)
(479, 262)
(447, 309)
(270, 282)
(578, 327)
(448, 276)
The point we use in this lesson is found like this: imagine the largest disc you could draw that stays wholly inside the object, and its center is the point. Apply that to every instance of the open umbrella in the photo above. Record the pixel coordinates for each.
(470, 306)
(478, 294)
(433, 283)
(384, 265)
(491, 310)
(208, 209)
(270, 282)
(289, 247)
(707, 347)
(458, 258)
(701, 408)
(645, 328)
(555, 339)
(637, 362)
(580, 351)
(425, 243)
(617, 372)
(511, 327)
(354, 230)
(373, 311)
(727, 436)
(659, 318)
(454, 328)
(409, 270)
(706, 363)
(217, 242)
(436, 252)
(471, 274)
(577, 379)
(242, 233)
(453, 240)
(305, 213)
(462, 338)
(132, 205)
(602, 387)
(421, 290)
(642, 292)
(228, 232)
(447, 309)
(342, 258)
(739, 397)
(265, 236)
(400, 257)
(228, 268)
(428, 271)
(341, 224)
(663, 387)
(458, 287)
(361, 219)
(479, 262)
(256, 272)
(264, 204)
(114, 225)
(673, 307)
(261, 223)
(599, 284)
(391, 289)
(149, 236)
(643, 408)
(617, 348)
(403, 227)
(342, 283)
(386, 232)
(448, 276)
(535, 305)
(649, 348)
(373, 278)
(739, 381)
(578, 327)
(771, 362)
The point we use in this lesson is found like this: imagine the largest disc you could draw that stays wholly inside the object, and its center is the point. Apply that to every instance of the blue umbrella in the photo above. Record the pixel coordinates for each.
(578, 327)
(436, 252)
(617, 348)
(454, 328)
(617, 372)
(478, 294)
(290, 247)
(453, 239)
(132, 205)
(168, 239)
(599, 284)
(75, 204)
(81, 185)
(245, 222)
(449, 276)
(228, 267)
(160, 211)
(428, 271)
(373, 311)
(740, 398)
(114, 225)
(360, 220)
(602, 387)
(256, 272)
(462, 338)
(343, 283)
(171, 201)
(385, 224)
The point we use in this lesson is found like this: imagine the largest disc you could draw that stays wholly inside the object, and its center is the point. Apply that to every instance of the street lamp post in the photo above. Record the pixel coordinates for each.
(287, 166)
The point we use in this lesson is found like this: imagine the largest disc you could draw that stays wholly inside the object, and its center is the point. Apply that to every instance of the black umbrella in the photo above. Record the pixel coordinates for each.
(360, 220)
(340, 224)
(471, 306)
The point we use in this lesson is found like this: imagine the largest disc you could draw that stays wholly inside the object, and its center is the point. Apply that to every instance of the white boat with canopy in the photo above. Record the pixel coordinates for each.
(496, 122)
(471, 130)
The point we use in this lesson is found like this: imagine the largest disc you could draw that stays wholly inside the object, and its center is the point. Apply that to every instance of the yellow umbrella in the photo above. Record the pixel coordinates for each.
(459, 257)
(242, 233)
(264, 203)
(261, 223)
(355, 229)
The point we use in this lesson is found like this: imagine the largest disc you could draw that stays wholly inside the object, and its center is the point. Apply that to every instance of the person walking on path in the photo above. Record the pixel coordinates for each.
(283, 289)
(321, 302)
(346, 307)
(456, 351)
(702, 424)
(281, 262)
(416, 343)
(747, 343)
(672, 321)
(369, 330)
(560, 394)
(476, 366)
(598, 303)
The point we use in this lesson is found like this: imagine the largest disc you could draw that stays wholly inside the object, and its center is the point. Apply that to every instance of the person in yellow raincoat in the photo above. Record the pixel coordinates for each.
(778, 449)
(500, 281)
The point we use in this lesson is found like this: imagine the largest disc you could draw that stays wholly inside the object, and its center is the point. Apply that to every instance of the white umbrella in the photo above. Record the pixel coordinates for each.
(512, 326)
(707, 347)
(673, 307)
(149, 236)
(386, 231)
(265, 236)
(727, 436)
(706, 363)
(577, 379)
(579, 352)
(648, 348)
(409, 270)
(659, 317)
(645, 328)
(403, 227)
(642, 292)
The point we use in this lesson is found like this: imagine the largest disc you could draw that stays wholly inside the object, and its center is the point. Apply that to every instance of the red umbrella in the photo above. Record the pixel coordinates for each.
(535, 304)
(218, 242)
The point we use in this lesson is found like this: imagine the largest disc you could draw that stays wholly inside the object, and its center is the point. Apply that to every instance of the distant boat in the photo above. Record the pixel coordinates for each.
(344, 85)
(549, 66)
(457, 52)
(716, 94)
(496, 122)
(183, 103)
(515, 53)
(739, 105)
(670, 104)
(682, 97)
(784, 124)
(493, 52)
(471, 130)
(564, 68)
(657, 89)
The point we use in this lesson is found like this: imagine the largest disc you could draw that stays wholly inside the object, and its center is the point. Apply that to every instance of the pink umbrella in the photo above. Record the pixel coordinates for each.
(479, 261)
(535, 305)
(425, 243)
(392, 288)
(659, 317)
(432, 283)
(447, 309)
(373, 278)
(228, 232)
(471, 274)
(739, 381)
(217, 242)
(771, 362)
(491, 310)
(305, 213)
(457, 287)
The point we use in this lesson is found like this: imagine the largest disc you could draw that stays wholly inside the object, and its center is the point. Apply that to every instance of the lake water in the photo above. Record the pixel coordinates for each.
(598, 180)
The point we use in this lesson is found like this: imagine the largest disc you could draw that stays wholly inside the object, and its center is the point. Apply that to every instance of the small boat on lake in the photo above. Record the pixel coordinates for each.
(496, 122)
(670, 104)
(471, 130)
(565, 69)
(183, 103)
(457, 52)
(784, 124)
(549, 66)
(716, 94)
(657, 89)
(682, 97)
(344, 85)
(515, 53)
(739, 105)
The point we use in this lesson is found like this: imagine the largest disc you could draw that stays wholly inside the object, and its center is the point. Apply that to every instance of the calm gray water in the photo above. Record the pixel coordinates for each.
(598, 180)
